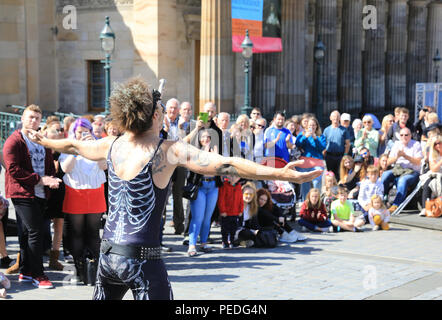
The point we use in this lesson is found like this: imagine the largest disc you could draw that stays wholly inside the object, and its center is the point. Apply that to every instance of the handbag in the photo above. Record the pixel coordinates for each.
(266, 238)
(433, 208)
(398, 171)
(190, 191)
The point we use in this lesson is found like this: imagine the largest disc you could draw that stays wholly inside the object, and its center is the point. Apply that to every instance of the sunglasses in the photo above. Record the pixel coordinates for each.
(248, 194)
(257, 113)
(260, 126)
(404, 135)
(366, 122)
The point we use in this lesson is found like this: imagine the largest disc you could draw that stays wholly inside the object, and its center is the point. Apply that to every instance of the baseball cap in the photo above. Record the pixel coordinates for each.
(345, 117)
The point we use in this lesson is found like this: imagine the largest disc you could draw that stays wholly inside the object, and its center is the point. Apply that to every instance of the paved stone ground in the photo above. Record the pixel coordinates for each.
(402, 263)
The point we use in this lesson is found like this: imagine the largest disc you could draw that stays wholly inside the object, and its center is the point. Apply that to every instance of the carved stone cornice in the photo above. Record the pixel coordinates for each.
(92, 4)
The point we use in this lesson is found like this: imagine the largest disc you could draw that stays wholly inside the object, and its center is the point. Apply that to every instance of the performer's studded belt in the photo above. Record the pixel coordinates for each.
(131, 252)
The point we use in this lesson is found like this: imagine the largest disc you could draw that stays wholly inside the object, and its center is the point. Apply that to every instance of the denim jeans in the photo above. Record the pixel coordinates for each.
(402, 184)
(311, 226)
(306, 186)
(202, 209)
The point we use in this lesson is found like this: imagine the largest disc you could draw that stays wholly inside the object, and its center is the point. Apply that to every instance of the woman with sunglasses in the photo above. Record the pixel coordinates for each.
(368, 136)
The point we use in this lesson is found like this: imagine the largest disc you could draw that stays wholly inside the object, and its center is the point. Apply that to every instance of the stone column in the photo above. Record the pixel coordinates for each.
(155, 42)
(217, 79)
(417, 45)
(374, 61)
(264, 82)
(326, 22)
(434, 36)
(397, 54)
(350, 65)
(290, 94)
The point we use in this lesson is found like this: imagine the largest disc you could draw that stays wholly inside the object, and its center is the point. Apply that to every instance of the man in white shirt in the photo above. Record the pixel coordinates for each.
(405, 154)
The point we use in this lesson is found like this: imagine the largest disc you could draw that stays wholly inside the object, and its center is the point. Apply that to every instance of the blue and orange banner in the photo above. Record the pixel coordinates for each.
(263, 20)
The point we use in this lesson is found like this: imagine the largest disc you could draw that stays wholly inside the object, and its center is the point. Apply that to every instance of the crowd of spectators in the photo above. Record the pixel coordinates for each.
(369, 167)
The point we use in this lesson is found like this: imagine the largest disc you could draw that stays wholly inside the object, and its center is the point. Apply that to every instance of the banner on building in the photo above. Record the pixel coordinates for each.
(263, 20)
(428, 95)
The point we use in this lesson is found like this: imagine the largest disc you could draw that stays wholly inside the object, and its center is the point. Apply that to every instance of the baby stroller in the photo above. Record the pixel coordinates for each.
(282, 192)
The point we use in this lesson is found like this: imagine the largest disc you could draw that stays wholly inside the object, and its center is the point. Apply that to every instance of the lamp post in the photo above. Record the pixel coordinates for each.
(247, 53)
(107, 38)
(319, 54)
(436, 61)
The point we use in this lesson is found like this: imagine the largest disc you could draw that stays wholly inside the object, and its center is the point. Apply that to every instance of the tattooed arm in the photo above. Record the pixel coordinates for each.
(208, 163)
(91, 149)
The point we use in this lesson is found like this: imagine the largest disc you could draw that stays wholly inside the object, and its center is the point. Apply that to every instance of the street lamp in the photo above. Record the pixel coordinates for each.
(247, 53)
(436, 61)
(107, 38)
(319, 54)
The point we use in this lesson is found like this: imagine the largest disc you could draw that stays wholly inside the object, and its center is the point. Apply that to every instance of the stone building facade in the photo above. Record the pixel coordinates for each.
(188, 42)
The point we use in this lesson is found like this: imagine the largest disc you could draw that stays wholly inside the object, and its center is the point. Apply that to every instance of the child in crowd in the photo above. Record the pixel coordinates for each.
(329, 190)
(5, 283)
(313, 214)
(343, 215)
(378, 214)
(368, 188)
(231, 205)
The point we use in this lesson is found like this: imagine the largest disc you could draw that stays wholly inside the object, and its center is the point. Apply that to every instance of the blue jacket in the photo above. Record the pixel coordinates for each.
(311, 147)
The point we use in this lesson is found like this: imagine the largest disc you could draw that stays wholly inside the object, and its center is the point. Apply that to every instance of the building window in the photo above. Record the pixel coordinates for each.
(96, 86)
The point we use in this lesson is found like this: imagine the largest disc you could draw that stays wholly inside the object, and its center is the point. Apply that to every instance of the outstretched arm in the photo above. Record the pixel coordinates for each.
(208, 163)
(94, 150)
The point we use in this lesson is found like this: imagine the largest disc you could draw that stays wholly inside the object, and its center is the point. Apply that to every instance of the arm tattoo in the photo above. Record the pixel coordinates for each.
(226, 170)
(158, 162)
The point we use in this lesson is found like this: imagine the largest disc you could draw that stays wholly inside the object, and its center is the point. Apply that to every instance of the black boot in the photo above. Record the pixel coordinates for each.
(80, 270)
(91, 271)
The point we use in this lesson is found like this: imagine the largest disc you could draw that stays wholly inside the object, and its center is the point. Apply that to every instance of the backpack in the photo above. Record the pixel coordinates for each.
(266, 238)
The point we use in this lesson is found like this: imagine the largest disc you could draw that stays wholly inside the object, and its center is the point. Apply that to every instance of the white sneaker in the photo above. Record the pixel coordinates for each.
(300, 236)
(286, 237)
(423, 212)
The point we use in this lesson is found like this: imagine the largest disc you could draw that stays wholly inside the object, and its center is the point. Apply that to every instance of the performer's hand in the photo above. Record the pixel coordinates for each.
(299, 177)
(34, 136)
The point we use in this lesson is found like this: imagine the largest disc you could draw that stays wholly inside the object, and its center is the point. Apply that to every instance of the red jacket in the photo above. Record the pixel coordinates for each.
(230, 199)
(315, 215)
(20, 178)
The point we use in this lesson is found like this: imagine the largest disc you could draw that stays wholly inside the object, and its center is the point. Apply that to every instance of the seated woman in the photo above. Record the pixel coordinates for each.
(431, 188)
(350, 171)
(269, 215)
(314, 213)
(248, 221)
(383, 164)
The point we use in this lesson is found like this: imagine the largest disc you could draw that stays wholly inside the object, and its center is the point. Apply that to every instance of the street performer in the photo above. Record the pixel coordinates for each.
(140, 166)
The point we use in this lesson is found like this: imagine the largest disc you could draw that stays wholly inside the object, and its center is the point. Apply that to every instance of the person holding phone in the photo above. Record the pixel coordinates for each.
(84, 201)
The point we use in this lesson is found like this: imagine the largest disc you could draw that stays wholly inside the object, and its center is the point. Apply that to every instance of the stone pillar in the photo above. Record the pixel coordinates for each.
(217, 80)
(350, 64)
(264, 82)
(12, 54)
(326, 27)
(434, 37)
(155, 43)
(310, 13)
(374, 61)
(290, 94)
(397, 54)
(417, 45)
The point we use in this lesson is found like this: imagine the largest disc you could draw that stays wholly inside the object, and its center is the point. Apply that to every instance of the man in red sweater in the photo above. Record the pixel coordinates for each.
(231, 205)
(29, 174)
